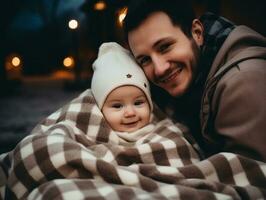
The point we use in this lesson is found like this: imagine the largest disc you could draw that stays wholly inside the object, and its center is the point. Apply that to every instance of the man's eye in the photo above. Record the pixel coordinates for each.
(164, 47)
(144, 61)
(117, 106)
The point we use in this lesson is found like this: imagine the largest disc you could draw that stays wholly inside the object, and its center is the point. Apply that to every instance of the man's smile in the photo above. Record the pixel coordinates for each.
(171, 76)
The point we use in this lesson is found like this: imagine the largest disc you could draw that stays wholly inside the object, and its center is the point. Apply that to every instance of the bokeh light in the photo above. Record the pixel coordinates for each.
(100, 5)
(69, 62)
(121, 15)
(73, 24)
(16, 61)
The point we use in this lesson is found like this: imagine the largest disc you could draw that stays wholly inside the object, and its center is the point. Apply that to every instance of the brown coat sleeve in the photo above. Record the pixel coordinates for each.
(239, 109)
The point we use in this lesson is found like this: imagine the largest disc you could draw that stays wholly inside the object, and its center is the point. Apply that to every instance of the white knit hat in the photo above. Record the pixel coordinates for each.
(113, 68)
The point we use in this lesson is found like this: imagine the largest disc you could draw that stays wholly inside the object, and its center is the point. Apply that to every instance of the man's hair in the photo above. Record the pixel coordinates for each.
(180, 12)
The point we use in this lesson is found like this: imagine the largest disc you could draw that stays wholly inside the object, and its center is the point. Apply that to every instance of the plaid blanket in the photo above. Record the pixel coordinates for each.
(73, 154)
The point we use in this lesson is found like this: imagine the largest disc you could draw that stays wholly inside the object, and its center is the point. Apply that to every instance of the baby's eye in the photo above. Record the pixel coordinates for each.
(117, 105)
(139, 102)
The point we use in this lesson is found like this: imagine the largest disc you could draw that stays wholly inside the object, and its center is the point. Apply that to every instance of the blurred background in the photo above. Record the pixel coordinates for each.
(47, 48)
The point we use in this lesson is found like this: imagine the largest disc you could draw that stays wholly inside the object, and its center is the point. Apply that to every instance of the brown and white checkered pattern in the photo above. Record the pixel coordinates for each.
(73, 154)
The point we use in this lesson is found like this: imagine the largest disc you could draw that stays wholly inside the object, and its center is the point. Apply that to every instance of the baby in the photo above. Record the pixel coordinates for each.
(122, 92)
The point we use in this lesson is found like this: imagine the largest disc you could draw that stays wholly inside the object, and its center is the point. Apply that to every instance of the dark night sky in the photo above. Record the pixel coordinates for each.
(37, 29)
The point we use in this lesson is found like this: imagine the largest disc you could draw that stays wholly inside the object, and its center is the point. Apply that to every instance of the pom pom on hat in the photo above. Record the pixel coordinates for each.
(113, 68)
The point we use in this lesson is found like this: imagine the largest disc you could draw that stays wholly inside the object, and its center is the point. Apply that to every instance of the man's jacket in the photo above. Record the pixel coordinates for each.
(233, 111)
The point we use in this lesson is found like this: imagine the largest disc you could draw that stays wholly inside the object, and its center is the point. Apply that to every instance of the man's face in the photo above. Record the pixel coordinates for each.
(126, 109)
(167, 56)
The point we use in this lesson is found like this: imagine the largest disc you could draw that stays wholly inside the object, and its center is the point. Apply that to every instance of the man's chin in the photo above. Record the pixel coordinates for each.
(177, 92)
(177, 95)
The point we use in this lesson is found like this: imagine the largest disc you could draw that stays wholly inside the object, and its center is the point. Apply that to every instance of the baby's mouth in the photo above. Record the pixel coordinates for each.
(131, 123)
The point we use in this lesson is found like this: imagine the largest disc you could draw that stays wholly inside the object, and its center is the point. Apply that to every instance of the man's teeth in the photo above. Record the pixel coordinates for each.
(178, 70)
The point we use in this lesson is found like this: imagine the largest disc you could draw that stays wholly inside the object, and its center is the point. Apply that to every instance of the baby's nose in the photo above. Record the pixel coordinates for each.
(130, 111)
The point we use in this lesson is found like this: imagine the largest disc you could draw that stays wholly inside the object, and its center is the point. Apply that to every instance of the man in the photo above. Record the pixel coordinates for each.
(215, 70)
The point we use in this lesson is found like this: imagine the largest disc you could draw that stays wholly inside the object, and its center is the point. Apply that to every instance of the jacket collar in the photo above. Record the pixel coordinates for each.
(216, 30)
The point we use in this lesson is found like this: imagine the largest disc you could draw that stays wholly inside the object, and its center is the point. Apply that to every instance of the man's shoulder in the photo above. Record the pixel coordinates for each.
(242, 44)
(246, 70)
(243, 30)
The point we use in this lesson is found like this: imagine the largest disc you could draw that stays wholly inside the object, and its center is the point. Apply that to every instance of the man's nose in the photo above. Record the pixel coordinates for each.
(130, 111)
(160, 65)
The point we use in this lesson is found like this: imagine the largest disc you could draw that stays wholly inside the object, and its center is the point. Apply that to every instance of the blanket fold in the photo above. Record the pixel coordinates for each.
(73, 154)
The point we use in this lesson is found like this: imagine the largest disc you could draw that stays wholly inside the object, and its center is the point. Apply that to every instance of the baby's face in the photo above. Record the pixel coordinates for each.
(126, 109)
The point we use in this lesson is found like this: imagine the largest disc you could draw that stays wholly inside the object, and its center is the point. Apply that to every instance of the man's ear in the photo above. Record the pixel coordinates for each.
(197, 31)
